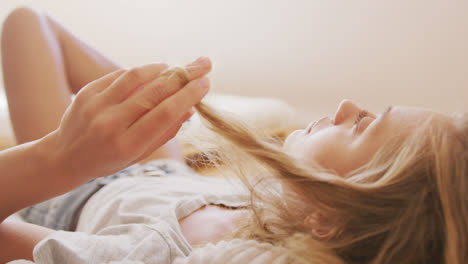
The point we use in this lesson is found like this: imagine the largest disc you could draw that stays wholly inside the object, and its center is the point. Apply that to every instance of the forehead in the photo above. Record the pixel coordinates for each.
(405, 118)
(400, 120)
(415, 115)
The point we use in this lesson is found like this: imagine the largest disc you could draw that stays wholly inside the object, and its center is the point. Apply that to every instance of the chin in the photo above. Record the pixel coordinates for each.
(291, 139)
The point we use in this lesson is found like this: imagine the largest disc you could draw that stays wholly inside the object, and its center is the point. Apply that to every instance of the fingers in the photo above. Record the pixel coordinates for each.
(131, 80)
(161, 88)
(102, 83)
(198, 68)
(154, 124)
(107, 79)
(168, 135)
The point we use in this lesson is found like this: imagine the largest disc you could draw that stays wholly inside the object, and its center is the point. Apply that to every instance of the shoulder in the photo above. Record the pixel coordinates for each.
(236, 251)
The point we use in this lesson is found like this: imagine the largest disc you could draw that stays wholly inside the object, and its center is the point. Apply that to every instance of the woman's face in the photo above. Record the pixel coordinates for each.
(349, 139)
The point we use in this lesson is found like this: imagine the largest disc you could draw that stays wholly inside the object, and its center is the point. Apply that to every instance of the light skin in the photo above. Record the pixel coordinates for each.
(59, 65)
(338, 143)
(111, 124)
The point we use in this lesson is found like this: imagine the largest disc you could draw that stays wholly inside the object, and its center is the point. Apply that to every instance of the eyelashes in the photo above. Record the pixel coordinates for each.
(361, 115)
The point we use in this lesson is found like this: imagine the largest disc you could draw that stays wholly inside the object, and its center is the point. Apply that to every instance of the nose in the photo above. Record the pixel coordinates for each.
(346, 111)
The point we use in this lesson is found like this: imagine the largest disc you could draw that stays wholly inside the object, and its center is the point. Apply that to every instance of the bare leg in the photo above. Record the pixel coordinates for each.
(43, 65)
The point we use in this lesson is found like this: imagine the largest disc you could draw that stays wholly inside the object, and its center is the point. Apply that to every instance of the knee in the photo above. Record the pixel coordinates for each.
(20, 15)
(18, 21)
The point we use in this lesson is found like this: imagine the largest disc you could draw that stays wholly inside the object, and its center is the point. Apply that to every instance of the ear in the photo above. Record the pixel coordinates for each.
(320, 226)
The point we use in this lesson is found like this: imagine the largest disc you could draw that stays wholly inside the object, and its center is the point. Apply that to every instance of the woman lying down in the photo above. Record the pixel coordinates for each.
(352, 187)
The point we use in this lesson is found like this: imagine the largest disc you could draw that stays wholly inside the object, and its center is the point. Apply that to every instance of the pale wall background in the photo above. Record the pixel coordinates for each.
(309, 53)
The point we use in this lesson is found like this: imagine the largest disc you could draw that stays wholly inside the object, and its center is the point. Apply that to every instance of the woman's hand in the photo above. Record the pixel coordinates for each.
(123, 117)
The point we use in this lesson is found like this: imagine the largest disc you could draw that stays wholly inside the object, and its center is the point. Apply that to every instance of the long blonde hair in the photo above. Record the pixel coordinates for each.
(409, 204)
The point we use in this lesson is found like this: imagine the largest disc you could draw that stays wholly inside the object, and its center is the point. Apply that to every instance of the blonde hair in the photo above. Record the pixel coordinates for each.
(409, 204)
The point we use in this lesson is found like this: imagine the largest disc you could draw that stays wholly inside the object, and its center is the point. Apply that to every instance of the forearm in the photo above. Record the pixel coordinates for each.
(30, 174)
(18, 239)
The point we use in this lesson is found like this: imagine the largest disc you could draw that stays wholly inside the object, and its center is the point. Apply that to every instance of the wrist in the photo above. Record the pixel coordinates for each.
(32, 172)
(55, 163)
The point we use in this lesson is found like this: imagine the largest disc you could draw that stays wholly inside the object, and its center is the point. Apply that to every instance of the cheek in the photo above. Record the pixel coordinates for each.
(326, 153)
(326, 148)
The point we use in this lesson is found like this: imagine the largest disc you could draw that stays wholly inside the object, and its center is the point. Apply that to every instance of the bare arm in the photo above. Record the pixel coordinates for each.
(101, 133)
(58, 65)
(28, 176)
(18, 239)
(110, 125)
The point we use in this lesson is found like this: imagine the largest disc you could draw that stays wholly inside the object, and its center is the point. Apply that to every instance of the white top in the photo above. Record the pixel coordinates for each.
(135, 220)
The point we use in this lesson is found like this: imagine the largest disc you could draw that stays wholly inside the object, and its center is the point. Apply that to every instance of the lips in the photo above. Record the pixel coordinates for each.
(310, 126)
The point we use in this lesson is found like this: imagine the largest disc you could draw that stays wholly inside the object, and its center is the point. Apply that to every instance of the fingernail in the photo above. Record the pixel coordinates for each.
(202, 61)
(203, 82)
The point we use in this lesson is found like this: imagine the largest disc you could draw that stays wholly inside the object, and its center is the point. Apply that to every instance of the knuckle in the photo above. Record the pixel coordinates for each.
(167, 112)
(195, 93)
(89, 109)
(159, 91)
(99, 129)
(180, 76)
(88, 112)
(80, 98)
(134, 74)
(119, 150)
(153, 95)
(181, 81)
(104, 127)
(83, 95)
(192, 72)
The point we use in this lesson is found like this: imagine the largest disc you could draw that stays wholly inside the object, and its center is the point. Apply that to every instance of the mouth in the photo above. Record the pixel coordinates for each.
(310, 126)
